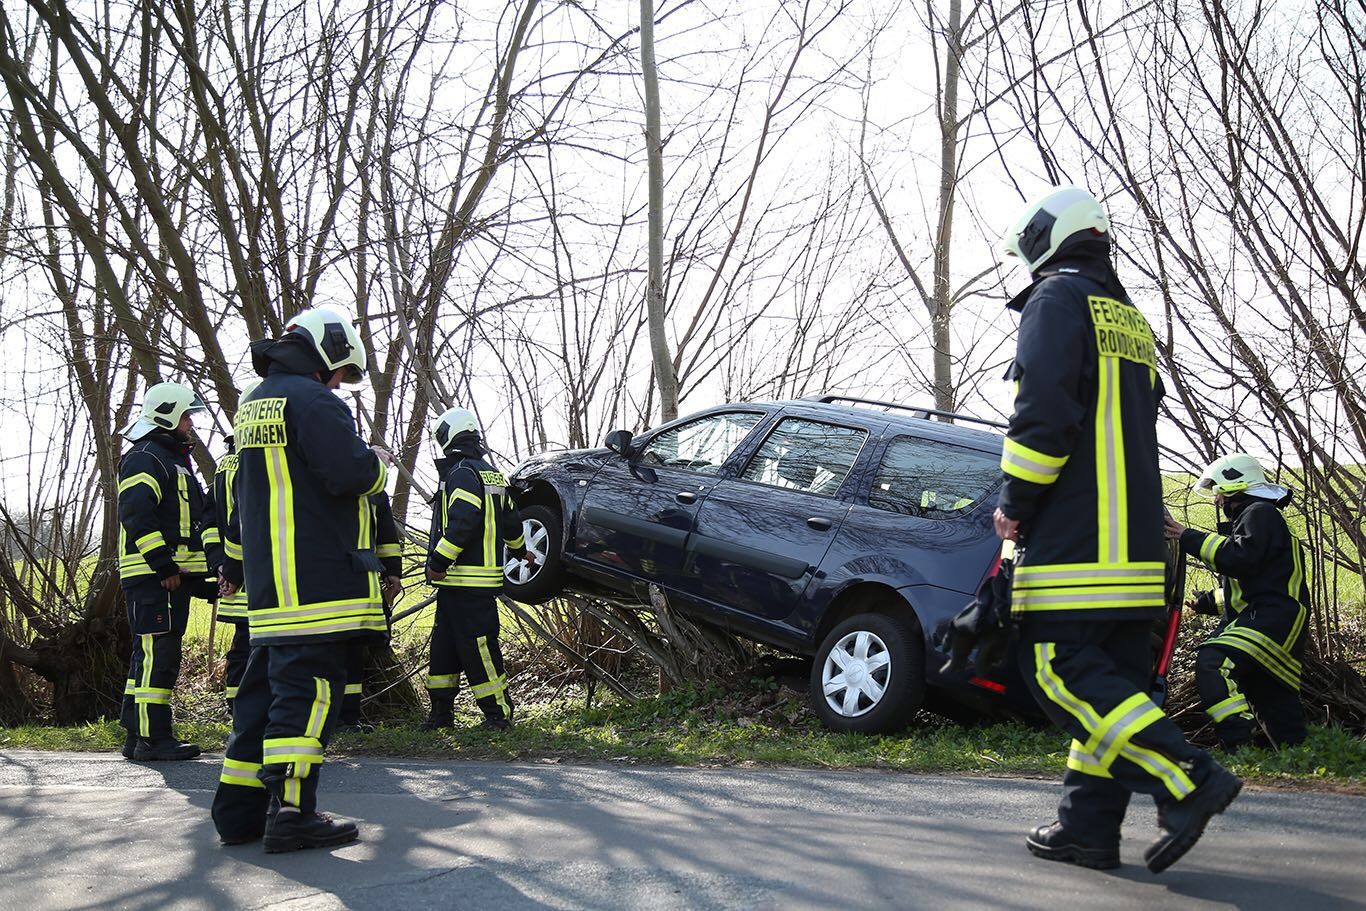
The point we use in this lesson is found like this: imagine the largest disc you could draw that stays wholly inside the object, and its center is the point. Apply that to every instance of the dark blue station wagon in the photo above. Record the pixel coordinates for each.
(850, 533)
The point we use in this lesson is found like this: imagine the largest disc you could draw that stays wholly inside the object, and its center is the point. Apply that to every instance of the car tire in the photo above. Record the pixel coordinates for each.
(893, 660)
(542, 529)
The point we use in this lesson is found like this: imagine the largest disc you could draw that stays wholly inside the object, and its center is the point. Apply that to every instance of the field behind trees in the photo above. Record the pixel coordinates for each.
(470, 182)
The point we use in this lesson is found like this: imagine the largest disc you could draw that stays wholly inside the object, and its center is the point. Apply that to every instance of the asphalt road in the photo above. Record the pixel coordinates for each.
(95, 831)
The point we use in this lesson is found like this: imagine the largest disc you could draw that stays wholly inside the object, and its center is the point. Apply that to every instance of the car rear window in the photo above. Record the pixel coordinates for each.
(806, 455)
(931, 479)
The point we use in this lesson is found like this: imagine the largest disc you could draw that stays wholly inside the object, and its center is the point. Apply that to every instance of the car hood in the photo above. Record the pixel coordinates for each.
(580, 459)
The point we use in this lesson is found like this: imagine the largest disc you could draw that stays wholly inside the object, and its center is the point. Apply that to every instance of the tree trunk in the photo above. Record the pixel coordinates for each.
(665, 379)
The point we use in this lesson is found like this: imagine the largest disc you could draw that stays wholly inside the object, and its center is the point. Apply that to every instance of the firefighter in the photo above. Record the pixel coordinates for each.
(1253, 661)
(389, 551)
(304, 479)
(1082, 497)
(161, 561)
(472, 520)
(232, 608)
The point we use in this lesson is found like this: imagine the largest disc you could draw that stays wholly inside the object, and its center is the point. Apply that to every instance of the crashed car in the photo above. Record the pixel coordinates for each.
(847, 530)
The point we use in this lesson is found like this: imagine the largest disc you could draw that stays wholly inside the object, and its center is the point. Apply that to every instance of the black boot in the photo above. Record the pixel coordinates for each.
(290, 829)
(1053, 842)
(495, 724)
(130, 745)
(1180, 823)
(163, 749)
(242, 838)
(442, 714)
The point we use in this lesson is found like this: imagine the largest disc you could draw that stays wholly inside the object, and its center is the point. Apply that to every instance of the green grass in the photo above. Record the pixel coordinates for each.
(690, 729)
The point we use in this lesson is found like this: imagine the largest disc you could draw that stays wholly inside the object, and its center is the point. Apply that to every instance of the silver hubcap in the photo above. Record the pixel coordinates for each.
(856, 674)
(537, 544)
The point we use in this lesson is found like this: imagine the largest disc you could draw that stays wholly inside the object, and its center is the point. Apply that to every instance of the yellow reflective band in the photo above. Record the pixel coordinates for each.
(210, 535)
(315, 619)
(442, 681)
(1028, 464)
(1112, 500)
(1093, 598)
(353, 689)
(141, 477)
(239, 765)
(1234, 705)
(281, 521)
(150, 541)
(490, 532)
(183, 488)
(322, 701)
(380, 480)
(479, 691)
(148, 656)
(465, 495)
(446, 549)
(517, 542)
(1263, 650)
(1172, 776)
(1081, 761)
(1209, 547)
(230, 692)
(389, 550)
(1049, 575)
(128, 686)
(492, 674)
(242, 781)
(232, 550)
(293, 792)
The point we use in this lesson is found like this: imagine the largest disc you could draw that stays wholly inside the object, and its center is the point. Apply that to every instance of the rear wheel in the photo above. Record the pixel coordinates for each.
(534, 584)
(869, 675)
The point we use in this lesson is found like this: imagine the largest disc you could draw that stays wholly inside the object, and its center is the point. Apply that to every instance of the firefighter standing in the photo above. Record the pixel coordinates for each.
(1253, 662)
(1082, 495)
(472, 519)
(161, 559)
(302, 519)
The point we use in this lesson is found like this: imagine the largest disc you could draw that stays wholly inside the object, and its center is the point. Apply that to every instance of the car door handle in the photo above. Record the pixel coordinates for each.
(685, 496)
(820, 523)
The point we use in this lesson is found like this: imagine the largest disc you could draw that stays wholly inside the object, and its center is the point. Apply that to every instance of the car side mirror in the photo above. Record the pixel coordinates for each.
(619, 441)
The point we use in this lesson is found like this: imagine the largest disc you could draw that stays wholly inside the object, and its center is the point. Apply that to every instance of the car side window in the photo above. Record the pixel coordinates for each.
(702, 445)
(806, 455)
(933, 480)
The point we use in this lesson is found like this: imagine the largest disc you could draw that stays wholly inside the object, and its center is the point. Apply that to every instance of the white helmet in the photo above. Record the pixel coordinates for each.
(1238, 473)
(163, 405)
(452, 422)
(245, 392)
(1047, 221)
(334, 338)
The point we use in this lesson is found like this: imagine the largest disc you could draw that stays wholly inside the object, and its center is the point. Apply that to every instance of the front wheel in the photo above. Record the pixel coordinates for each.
(544, 581)
(868, 676)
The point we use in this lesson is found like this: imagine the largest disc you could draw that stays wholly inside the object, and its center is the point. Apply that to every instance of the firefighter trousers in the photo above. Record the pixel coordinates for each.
(465, 639)
(236, 659)
(157, 620)
(1092, 679)
(287, 703)
(1233, 684)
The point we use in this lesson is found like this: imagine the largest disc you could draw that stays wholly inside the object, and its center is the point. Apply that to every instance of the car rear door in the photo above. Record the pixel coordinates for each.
(637, 513)
(761, 536)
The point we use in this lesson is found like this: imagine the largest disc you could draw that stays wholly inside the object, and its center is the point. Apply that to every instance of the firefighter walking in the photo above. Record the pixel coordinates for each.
(161, 561)
(1083, 497)
(1253, 661)
(472, 520)
(303, 523)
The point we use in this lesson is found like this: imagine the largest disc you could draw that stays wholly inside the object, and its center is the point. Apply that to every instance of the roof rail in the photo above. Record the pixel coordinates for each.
(919, 410)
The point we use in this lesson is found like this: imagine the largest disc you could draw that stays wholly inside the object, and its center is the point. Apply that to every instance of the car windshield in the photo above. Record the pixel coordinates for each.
(702, 445)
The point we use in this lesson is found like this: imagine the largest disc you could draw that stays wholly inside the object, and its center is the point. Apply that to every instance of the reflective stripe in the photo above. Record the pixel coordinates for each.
(442, 681)
(353, 689)
(230, 692)
(1233, 705)
(380, 481)
(191, 561)
(150, 541)
(297, 750)
(1020, 461)
(210, 535)
(144, 722)
(389, 550)
(446, 549)
(1263, 650)
(152, 695)
(141, 477)
(1209, 547)
(232, 549)
(493, 676)
(182, 484)
(1088, 573)
(1081, 761)
(1112, 502)
(259, 633)
(128, 686)
(461, 494)
(490, 533)
(281, 526)
(313, 619)
(516, 543)
(488, 689)
(322, 701)
(1098, 598)
(1177, 782)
